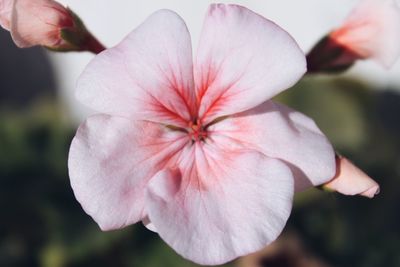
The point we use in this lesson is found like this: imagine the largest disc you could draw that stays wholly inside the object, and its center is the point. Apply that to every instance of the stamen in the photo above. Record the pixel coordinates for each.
(176, 128)
(196, 131)
(216, 121)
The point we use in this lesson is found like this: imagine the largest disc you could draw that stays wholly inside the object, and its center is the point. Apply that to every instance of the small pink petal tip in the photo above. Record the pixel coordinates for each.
(350, 180)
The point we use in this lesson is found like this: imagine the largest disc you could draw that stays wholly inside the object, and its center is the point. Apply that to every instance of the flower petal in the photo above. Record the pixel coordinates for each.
(283, 133)
(111, 160)
(148, 76)
(372, 30)
(350, 180)
(225, 205)
(5, 13)
(148, 224)
(243, 60)
(38, 22)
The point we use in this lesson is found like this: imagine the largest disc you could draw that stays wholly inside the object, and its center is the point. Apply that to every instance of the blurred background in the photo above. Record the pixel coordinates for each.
(43, 225)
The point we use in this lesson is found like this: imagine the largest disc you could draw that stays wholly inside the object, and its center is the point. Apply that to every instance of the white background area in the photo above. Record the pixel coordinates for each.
(110, 21)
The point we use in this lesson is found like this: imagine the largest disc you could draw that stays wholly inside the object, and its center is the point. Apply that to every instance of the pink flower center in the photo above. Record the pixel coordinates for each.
(196, 131)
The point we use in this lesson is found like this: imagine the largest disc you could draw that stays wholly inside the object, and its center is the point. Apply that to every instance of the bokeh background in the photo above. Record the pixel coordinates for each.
(41, 223)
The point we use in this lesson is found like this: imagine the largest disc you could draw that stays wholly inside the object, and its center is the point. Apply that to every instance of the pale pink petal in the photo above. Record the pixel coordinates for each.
(218, 205)
(243, 60)
(111, 160)
(350, 180)
(372, 31)
(38, 22)
(283, 133)
(147, 76)
(148, 224)
(5, 13)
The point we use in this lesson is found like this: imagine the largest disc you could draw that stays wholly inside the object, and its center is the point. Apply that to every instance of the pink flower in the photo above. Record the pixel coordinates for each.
(196, 149)
(372, 30)
(350, 180)
(45, 23)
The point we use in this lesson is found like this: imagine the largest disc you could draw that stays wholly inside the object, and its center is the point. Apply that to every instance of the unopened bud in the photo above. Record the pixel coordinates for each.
(46, 23)
(371, 31)
(350, 180)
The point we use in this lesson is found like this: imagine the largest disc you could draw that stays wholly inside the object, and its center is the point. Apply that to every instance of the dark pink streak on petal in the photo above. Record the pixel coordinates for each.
(243, 60)
(148, 76)
(280, 132)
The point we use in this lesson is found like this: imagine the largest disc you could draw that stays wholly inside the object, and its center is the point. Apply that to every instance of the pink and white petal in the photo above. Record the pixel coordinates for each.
(243, 60)
(148, 224)
(148, 76)
(280, 132)
(225, 205)
(5, 13)
(110, 162)
(38, 22)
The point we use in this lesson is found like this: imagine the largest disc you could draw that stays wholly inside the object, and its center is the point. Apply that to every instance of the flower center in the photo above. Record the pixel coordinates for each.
(196, 131)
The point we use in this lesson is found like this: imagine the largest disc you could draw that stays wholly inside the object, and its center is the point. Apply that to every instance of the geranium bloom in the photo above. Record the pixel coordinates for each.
(196, 149)
(350, 180)
(46, 23)
(370, 31)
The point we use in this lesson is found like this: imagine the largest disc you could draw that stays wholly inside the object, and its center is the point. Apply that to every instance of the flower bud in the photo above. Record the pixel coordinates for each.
(371, 31)
(328, 56)
(350, 180)
(46, 23)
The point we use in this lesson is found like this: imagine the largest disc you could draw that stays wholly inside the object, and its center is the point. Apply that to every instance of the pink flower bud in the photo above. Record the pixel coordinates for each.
(46, 23)
(372, 30)
(5, 13)
(350, 180)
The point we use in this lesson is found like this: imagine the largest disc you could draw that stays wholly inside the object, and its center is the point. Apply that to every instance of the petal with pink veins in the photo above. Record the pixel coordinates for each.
(217, 205)
(148, 76)
(280, 132)
(111, 160)
(243, 60)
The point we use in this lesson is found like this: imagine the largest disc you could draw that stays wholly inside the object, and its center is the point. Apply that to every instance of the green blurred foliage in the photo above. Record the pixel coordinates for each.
(43, 225)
